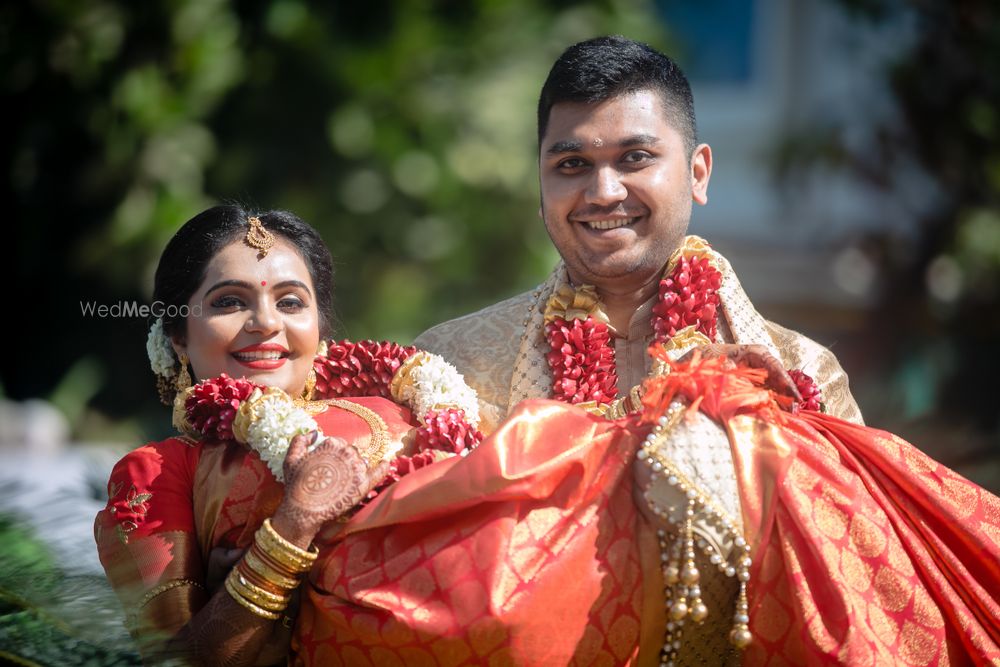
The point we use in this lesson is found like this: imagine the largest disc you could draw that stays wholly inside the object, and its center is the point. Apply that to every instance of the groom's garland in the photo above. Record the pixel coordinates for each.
(582, 355)
(266, 418)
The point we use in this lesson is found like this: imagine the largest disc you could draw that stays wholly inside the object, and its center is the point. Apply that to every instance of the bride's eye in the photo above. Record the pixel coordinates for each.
(291, 303)
(228, 301)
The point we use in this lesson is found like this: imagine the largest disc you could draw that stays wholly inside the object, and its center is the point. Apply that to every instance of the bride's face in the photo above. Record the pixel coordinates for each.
(259, 318)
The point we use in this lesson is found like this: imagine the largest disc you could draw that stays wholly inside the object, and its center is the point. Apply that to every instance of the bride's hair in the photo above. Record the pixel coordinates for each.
(185, 260)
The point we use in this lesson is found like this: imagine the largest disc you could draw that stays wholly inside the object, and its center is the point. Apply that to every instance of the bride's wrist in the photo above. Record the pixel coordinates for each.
(295, 525)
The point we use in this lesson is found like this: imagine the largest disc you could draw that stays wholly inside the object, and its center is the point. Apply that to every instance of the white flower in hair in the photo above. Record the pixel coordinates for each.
(161, 354)
(278, 421)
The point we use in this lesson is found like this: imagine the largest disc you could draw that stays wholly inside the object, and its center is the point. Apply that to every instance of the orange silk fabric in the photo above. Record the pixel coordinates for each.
(866, 551)
(526, 552)
(874, 554)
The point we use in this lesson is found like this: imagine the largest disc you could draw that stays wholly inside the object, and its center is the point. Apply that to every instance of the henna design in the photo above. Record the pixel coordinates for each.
(322, 484)
(321, 478)
(222, 633)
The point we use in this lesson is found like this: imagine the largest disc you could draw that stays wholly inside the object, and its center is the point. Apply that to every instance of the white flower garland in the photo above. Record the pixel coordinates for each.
(268, 420)
(277, 421)
(159, 350)
(435, 384)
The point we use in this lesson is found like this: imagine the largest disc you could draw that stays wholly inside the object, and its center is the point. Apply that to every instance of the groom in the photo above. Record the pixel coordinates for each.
(619, 166)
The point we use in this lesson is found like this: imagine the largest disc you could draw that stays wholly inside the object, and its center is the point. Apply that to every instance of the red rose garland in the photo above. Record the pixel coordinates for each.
(812, 398)
(212, 405)
(689, 297)
(582, 361)
(582, 356)
(447, 431)
(366, 368)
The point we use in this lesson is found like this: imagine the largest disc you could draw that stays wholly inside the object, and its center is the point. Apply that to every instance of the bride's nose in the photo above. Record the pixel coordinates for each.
(263, 320)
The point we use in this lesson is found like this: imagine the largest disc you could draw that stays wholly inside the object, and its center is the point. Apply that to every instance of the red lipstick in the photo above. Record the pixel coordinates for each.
(262, 356)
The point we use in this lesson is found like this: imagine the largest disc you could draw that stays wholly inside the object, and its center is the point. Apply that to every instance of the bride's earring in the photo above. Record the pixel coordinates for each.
(307, 391)
(183, 377)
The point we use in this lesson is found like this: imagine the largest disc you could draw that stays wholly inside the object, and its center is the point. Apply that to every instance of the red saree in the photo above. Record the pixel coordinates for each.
(527, 552)
(531, 551)
(866, 551)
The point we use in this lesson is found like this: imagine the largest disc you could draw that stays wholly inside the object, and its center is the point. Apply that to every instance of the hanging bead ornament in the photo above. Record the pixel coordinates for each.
(681, 576)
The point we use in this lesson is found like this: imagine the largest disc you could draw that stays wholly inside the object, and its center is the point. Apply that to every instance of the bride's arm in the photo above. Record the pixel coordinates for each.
(320, 485)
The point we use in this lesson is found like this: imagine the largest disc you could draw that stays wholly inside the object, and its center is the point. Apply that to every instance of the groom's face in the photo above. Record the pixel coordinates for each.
(616, 186)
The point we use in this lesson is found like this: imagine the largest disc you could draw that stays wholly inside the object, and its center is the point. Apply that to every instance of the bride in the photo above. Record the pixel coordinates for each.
(373, 525)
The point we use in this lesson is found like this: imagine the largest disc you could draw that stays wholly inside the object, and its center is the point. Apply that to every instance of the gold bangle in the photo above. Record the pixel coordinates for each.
(265, 571)
(285, 551)
(379, 442)
(292, 565)
(263, 613)
(282, 568)
(256, 594)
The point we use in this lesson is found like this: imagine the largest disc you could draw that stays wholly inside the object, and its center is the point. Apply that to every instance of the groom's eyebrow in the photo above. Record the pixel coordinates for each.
(560, 147)
(639, 140)
(574, 146)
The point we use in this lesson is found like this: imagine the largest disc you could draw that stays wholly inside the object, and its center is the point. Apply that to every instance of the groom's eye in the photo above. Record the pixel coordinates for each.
(571, 164)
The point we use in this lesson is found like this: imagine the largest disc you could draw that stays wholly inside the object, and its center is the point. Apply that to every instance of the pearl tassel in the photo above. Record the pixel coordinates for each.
(682, 592)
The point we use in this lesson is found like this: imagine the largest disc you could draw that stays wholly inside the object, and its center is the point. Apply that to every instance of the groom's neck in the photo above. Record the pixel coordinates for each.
(621, 302)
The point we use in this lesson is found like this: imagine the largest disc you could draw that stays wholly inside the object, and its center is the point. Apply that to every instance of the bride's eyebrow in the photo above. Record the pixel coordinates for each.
(245, 285)
(228, 283)
(293, 283)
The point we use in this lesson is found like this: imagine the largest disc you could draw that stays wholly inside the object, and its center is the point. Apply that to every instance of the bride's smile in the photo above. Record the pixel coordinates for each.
(259, 317)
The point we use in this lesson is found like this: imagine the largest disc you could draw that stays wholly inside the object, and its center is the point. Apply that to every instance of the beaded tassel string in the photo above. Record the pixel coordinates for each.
(682, 593)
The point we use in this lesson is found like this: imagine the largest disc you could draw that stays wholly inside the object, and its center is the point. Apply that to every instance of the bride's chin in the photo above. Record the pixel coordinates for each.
(271, 378)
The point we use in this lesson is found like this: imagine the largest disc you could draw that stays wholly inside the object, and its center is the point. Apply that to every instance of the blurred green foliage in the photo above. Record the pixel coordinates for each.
(404, 131)
(49, 617)
(936, 322)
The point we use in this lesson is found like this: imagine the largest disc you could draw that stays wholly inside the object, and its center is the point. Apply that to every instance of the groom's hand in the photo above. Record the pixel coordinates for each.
(754, 356)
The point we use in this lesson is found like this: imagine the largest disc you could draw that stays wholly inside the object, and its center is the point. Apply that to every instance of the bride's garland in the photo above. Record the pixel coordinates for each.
(266, 418)
(582, 355)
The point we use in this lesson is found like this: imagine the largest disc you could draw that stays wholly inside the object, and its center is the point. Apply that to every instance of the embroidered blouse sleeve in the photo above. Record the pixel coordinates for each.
(146, 539)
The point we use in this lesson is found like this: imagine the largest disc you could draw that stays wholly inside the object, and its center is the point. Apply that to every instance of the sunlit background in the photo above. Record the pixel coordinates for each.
(856, 187)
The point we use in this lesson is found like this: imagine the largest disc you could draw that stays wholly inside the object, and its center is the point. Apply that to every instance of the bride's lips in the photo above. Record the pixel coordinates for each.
(265, 356)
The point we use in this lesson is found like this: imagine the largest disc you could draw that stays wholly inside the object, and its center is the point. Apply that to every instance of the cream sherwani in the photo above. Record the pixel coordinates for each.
(501, 349)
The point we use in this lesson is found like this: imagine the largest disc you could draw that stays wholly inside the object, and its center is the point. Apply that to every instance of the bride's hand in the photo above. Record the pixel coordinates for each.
(321, 484)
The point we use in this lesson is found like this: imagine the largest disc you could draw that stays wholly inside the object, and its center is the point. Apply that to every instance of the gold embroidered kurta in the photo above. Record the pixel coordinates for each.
(501, 349)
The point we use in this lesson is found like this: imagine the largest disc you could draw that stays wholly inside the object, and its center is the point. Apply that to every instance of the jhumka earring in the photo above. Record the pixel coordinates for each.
(183, 377)
(307, 391)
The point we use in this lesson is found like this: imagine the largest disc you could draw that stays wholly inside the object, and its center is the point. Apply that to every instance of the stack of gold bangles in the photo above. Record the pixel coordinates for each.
(267, 574)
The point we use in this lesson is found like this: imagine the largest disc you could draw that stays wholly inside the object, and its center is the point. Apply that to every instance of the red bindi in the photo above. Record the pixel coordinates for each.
(263, 283)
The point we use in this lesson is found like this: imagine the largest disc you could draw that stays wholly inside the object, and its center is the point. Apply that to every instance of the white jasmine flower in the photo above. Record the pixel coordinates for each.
(159, 350)
(436, 384)
(278, 421)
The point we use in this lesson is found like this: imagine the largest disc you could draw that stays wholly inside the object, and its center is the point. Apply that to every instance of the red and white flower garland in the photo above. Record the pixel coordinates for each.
(582, 356)
(266, 419)
(368, 368)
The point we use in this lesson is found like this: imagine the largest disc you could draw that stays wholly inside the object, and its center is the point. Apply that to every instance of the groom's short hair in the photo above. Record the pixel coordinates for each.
(601, 68)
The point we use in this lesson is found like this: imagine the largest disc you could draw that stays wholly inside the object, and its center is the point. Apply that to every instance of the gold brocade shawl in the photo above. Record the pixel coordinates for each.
(501, 349)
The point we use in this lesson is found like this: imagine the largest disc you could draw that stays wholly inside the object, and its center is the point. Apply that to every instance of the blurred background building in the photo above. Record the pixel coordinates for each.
(856, 186)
